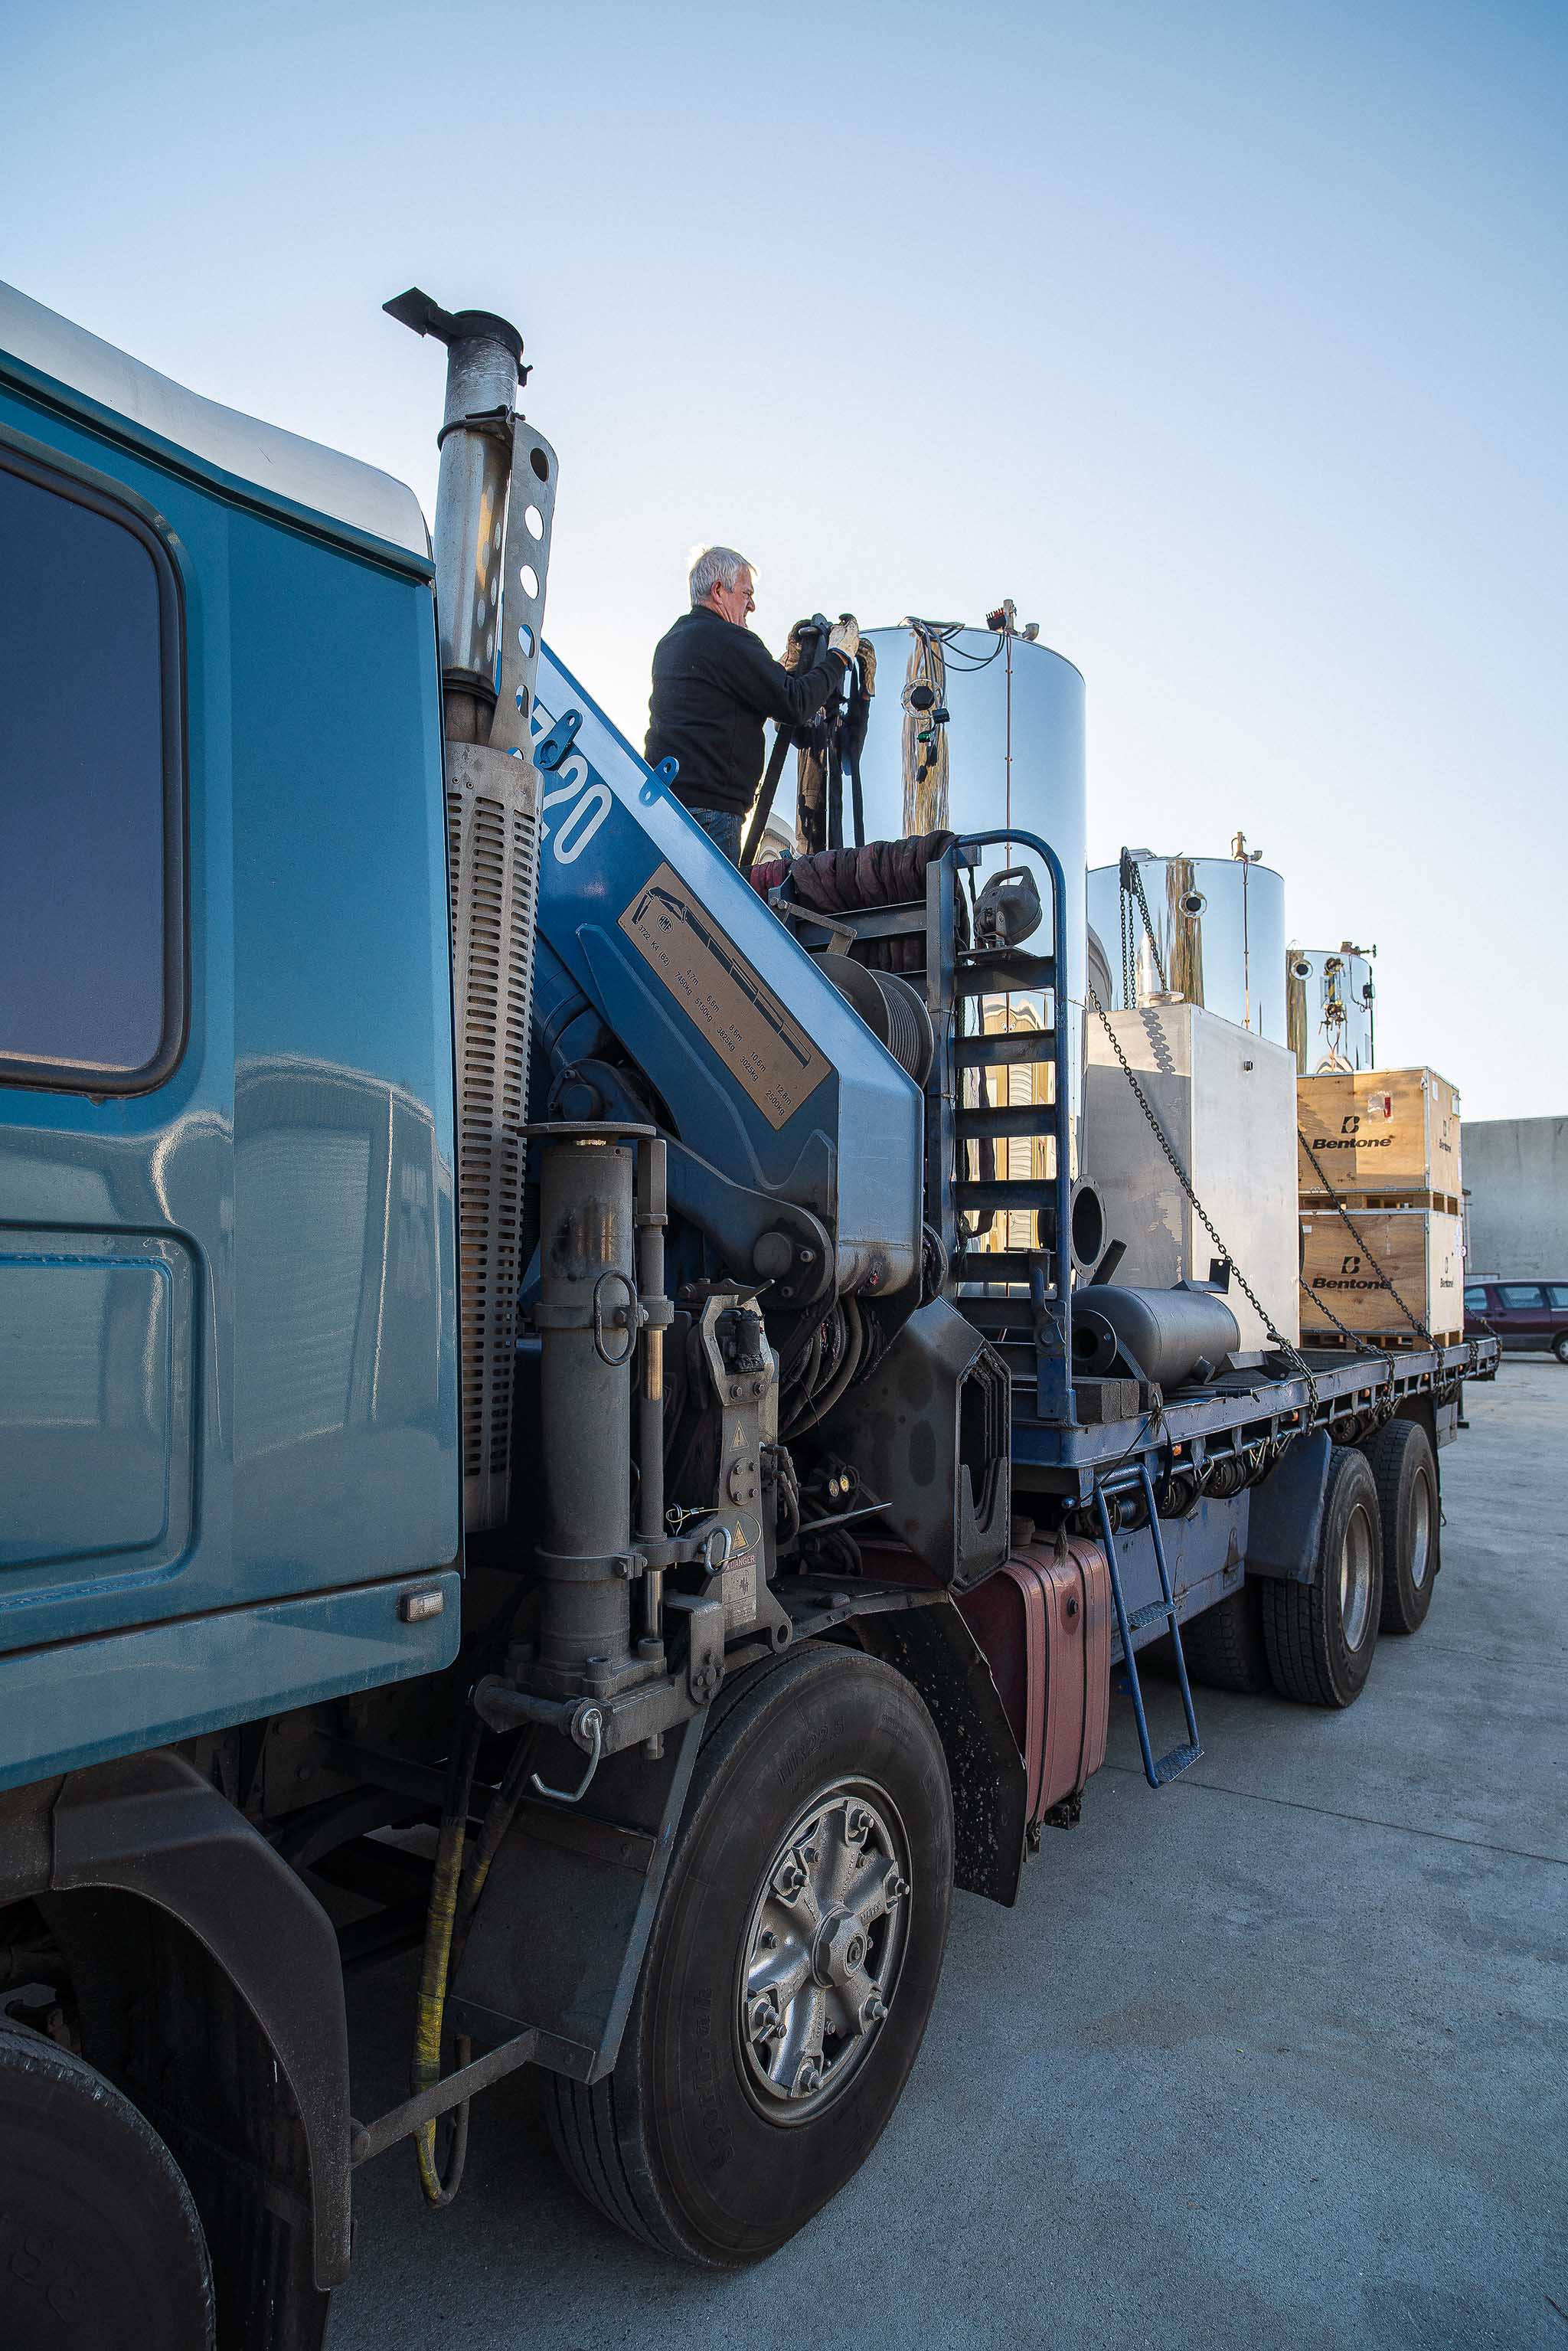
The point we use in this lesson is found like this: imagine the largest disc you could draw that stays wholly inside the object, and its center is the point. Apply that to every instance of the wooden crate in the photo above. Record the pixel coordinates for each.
(1420, 1249)
(1380, 1133)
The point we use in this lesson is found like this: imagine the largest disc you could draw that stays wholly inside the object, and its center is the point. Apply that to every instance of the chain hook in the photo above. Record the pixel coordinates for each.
(587, 1727)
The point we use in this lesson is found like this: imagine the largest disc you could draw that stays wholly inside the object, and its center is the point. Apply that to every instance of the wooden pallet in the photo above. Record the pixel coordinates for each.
(1322, 1204)
(1394, 1341)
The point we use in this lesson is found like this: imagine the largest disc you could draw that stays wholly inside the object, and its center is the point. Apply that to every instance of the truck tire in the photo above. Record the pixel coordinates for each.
(1405, 1471)
(1224, 1647)
(780, 2013)
(1320, 1635)
(100, 2241)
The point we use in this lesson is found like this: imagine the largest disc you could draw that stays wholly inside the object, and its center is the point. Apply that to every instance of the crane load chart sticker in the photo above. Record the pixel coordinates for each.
(764, 1049)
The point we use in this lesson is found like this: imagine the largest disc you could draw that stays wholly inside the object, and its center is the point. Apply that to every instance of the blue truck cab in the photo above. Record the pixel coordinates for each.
(227, 1306)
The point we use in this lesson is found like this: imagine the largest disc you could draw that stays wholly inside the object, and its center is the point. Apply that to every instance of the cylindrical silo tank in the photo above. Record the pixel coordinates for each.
(1219, 929)
(1329, 1012)
(1010, 751)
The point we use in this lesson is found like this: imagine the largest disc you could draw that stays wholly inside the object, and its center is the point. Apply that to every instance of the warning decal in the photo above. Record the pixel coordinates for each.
(758, 1041)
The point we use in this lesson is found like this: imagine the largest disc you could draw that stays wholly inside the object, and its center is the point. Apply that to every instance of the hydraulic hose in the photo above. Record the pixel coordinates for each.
(817, 1407)
(440, 2182)
(447, 1926)
(497, 1822)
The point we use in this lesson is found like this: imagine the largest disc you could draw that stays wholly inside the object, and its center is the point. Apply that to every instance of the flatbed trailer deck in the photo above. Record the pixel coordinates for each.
(1241, 1409)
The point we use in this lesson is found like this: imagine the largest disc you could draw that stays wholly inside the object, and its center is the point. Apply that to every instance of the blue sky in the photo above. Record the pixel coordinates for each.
(1229, 341)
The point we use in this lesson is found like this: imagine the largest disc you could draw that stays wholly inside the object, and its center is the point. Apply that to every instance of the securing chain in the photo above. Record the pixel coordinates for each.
(1129, 980)
(1133, 887)
(1363, 1346)
(1291, 1354)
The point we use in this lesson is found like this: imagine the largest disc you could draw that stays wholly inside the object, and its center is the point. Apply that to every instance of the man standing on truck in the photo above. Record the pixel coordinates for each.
(714, 684)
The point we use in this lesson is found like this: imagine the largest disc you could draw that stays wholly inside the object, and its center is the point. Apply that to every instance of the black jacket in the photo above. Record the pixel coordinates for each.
(714, 685)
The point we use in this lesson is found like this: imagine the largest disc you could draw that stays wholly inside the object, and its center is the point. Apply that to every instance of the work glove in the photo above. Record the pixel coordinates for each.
(844, 638)
(792, 650)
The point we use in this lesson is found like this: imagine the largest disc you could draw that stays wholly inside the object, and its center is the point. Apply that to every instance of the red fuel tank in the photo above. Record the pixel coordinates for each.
(1044, 1623)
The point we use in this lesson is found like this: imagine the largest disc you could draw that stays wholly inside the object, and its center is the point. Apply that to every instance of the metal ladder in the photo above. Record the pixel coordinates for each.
(1158, 1770)
(1044, 1358)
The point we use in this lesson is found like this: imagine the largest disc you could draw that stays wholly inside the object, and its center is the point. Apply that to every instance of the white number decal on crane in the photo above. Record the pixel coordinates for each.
(576, 830)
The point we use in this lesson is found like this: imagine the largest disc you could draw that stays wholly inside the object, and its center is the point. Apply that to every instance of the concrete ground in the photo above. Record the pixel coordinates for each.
(1274, 2058)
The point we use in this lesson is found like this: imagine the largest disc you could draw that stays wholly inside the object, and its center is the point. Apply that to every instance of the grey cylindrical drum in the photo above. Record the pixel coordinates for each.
(1328, 1009)
(1219, 926)
(1012, 751)
(586, 1321)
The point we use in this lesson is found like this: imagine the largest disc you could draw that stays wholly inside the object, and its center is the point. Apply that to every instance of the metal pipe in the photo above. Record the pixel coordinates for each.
(475, 443)
(484, 369)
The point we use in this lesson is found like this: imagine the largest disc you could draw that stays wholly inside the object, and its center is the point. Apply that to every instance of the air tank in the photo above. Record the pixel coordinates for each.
(1329, 993)
(1010, 751)
(1219, 928)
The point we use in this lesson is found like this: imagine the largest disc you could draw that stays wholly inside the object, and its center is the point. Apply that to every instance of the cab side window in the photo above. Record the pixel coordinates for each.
(1519, 1296)
(92, 783)
(1476, 1299)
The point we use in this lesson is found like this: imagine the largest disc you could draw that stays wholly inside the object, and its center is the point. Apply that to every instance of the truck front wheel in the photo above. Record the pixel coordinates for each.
(791, 1969)
(1320, 1635)
(1405, 1471)
(100, 2241)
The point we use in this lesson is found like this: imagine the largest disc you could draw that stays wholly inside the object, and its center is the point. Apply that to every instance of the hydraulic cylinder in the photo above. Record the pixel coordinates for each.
(586, 1317)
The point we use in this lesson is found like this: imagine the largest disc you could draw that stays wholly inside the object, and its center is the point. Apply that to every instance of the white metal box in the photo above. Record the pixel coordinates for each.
(1226, 1100)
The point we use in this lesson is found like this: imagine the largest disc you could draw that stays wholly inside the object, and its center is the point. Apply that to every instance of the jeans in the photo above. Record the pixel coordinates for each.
(722, 827)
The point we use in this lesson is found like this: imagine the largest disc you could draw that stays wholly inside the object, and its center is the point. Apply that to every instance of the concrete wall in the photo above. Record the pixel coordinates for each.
(1516, 1177)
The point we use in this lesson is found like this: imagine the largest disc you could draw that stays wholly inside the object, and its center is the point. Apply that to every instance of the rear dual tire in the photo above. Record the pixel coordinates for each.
(1319, 1638)
(1225, 1649)
(727, 2124)
(1405, 1471)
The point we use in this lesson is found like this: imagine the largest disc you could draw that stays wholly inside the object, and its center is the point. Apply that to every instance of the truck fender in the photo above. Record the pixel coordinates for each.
(151, 1825)
(1285, 1523)
(934, 1649)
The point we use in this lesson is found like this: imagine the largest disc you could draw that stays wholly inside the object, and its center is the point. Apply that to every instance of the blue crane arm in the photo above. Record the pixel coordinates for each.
(768, 1073)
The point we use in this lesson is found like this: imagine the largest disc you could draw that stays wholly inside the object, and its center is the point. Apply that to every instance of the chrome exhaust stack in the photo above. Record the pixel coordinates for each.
(495, 502)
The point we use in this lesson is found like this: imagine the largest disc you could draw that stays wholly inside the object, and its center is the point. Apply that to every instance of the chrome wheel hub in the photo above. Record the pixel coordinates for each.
(824, 1950)
(1355, 1578)
(1420, 1533)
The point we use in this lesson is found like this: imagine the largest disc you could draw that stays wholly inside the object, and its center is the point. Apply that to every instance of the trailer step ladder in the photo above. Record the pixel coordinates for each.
(1158, 1770)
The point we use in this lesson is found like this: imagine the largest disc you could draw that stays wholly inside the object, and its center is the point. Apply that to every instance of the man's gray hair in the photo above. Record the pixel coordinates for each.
(717, 566)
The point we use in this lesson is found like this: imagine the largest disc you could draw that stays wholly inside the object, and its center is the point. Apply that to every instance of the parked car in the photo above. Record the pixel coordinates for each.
(1522, 1314)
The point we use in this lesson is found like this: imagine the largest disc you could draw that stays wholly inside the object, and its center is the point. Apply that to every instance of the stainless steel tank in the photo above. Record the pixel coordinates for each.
(1328, 996)
(1219, 927)
(1009, 751)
